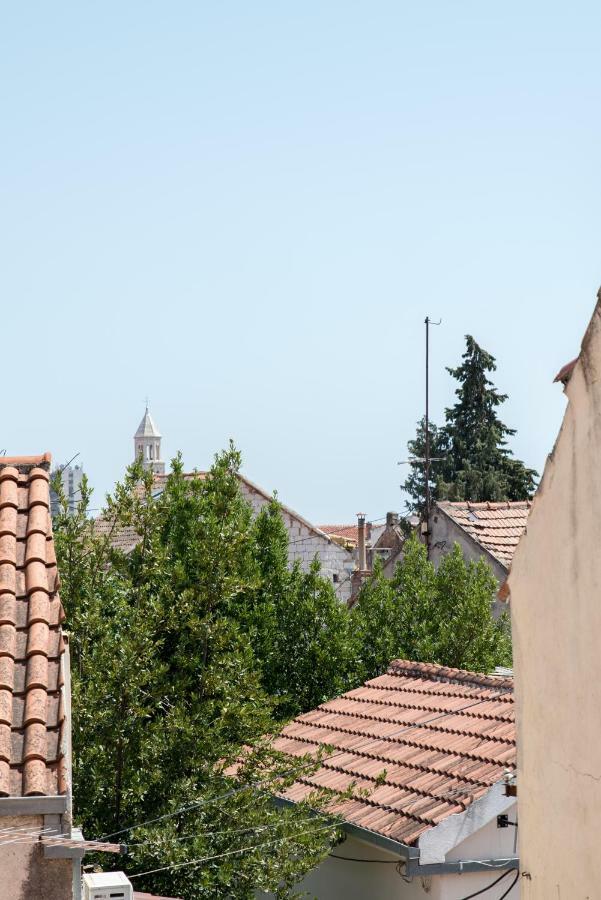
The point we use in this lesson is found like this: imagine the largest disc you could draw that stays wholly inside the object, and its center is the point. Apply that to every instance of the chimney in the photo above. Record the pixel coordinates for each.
(362, 556)
(392, 519)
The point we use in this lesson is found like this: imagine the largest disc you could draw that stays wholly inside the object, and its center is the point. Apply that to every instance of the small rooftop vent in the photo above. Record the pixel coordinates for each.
(107, 886)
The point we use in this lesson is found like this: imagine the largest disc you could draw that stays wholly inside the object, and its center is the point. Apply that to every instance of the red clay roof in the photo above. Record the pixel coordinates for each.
(497, 527)
(565, 373)
(33, 724)
(347, 532)
(123, 537)
(423, 741)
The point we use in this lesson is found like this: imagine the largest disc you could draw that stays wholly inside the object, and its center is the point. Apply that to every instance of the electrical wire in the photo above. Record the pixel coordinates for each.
(191, 806)
(204, 859)
(511, 886)
(177, 812)
(204, 834)
(491, 885)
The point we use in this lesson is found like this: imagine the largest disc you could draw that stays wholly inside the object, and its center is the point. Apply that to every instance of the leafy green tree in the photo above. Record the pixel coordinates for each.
(300, 629)
(477, 464)
(167, 693)
(442, 616)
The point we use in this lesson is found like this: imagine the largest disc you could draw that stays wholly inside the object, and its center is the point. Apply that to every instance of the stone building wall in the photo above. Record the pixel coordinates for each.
(305, 542)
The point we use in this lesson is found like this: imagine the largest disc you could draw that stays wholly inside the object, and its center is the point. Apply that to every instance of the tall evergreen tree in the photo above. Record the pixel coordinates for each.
(415, 483)
(477, 464)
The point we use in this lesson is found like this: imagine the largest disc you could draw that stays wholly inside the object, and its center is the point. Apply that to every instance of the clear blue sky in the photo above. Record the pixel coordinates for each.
(245, 210)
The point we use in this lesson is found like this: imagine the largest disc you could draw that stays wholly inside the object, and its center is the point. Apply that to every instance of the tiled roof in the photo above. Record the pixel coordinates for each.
(123, 537)
(347, 532)
(422, 741)
(33, 726)
(565, 373)
(495, 526)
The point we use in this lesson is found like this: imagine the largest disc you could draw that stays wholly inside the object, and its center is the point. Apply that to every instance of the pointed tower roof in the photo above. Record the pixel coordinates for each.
(147, 428)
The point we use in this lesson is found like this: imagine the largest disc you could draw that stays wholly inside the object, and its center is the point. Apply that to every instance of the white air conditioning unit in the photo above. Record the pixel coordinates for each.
(107, 886)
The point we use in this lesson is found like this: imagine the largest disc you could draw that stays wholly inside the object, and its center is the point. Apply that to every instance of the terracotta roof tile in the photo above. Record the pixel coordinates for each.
(419, 743)
(565, 373)
(32, 719)
(497, 527)
(345, 532)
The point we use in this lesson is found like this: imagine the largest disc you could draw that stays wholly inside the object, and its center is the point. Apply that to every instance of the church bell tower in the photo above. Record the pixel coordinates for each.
(147, 445)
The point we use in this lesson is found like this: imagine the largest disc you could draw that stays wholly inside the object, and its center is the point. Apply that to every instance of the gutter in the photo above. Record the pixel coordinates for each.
(411, 855)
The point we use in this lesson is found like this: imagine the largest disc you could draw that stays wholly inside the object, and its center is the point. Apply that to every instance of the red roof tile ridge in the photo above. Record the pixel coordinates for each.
(507, 692)
(25, 463)
(484, 504)
(437, 672)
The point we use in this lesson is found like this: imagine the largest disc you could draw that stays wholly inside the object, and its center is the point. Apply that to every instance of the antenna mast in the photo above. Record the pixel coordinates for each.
(427, 460)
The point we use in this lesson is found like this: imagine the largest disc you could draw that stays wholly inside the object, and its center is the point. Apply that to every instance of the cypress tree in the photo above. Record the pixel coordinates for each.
(476, 462)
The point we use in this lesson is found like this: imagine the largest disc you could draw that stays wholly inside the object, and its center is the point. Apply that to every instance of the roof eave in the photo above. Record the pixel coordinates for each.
(411, 855)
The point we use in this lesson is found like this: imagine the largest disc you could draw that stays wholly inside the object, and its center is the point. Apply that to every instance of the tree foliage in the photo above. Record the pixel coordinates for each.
(167, 692)
(423, 614)
(300, 629)
(189, 650)
(477, 464)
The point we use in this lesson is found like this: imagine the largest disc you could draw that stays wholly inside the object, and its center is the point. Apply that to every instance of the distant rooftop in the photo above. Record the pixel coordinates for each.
(497, 527)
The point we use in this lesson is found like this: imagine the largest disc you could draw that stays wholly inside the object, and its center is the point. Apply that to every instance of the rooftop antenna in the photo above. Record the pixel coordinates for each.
(427, 461)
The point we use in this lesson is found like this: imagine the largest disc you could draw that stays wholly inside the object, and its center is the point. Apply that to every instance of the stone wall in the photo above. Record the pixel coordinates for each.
(305, 542)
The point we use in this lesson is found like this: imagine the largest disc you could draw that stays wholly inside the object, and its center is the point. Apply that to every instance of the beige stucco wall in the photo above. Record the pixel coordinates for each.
(555, 586)
(25, 874)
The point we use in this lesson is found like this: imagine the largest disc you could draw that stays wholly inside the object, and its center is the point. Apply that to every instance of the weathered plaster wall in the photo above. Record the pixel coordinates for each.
(555, 587)
(25, 874)
(304, 543)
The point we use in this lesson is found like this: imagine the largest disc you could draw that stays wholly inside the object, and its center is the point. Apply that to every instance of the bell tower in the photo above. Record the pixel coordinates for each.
(147, 445)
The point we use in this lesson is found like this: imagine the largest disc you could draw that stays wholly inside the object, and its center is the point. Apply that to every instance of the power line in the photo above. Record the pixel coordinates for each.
(204, 859)
(484, 890)
(205, 834)
(198, 803)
